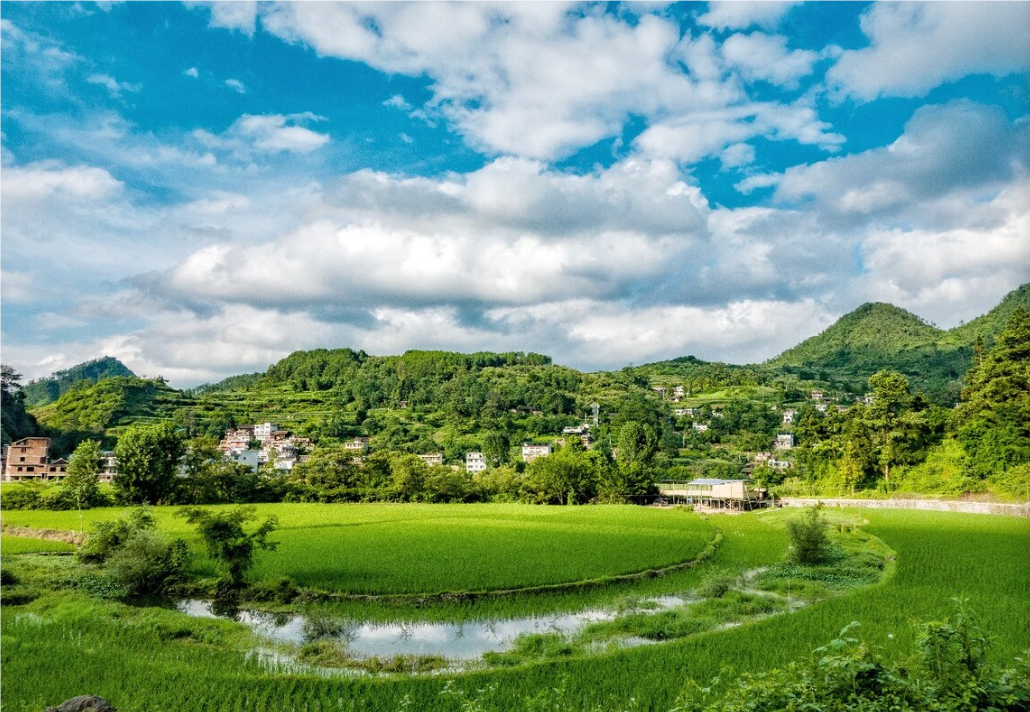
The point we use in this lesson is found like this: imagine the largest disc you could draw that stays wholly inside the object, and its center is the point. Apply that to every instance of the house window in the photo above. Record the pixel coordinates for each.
(30, 468)
(21, 459)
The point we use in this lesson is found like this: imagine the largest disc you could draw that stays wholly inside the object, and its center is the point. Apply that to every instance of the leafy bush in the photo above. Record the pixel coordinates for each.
(147, 563)
(228, 543)
(134, 555)
(809, 541)
(951, 673)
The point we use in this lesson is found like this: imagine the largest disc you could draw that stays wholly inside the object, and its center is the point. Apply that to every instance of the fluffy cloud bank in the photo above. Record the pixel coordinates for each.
(915, 46)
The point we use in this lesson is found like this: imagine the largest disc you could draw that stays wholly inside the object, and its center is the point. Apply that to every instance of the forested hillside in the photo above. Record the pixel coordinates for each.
(17, 423)
(96, 409)
(46, 390)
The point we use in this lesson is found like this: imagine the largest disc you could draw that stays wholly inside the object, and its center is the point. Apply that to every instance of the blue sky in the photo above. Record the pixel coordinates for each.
(200, 189)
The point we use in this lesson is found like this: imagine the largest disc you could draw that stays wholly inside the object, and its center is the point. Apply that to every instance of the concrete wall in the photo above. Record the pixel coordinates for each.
(1017, 510)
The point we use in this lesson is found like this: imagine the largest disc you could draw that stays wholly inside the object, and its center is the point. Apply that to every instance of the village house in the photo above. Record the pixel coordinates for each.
(660, 390)
(532, 452)
(356, 444)
(576, 429)
(677, 394)
(817, 395)
(109, 467)
(821, 407)
(250, 458)
(784, 441)
(29, 459)
(788, 416)
(433, 458)
(700, 427)
(762, 457)
(236, 439)
(475, 462)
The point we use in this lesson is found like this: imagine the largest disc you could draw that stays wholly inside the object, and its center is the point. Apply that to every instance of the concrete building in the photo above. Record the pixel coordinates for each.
(29, 459)
(788, 416)
(475, 462)
(109, 470)
(250, 458)
(710, 492)
(784, 441)
(356, 444)
(263, 431)
(433, 458)
(532, 452)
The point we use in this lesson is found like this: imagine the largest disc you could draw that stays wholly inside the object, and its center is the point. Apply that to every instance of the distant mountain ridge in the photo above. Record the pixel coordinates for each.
(47, 390)
(878, 336)
(989, 325)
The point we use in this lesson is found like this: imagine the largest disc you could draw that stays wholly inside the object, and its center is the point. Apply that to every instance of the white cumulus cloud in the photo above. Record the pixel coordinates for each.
(916, 46)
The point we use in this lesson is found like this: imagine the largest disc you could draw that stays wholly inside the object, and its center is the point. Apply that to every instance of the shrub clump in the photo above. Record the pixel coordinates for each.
(950, 673)
(809, 540)
(135, 556)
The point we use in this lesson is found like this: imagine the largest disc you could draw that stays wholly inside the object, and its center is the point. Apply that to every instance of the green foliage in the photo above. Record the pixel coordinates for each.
(46, 390)
(135, 555)
(148, 456)
(93, 407)
(138, 655)
(993, 420)
(987, 327)
(227, 541)
(569, 476)
(82, 478)
(207, 477)
(951, 674)
(15, 422)
(809, 540)
(878, 337)
(422, 548)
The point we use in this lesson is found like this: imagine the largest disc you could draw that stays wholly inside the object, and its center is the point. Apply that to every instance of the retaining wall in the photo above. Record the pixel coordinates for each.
(1017, 510)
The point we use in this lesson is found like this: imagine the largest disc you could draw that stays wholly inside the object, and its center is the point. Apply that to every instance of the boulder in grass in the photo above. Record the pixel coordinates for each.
(83, 703)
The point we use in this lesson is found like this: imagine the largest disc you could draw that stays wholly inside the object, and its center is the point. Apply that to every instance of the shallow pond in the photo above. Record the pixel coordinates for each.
(467, 640)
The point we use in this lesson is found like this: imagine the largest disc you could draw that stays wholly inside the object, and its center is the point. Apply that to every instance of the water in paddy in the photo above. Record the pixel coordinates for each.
(456, 641)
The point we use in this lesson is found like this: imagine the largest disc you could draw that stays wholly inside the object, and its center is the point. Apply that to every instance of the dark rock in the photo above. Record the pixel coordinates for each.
(83, 703)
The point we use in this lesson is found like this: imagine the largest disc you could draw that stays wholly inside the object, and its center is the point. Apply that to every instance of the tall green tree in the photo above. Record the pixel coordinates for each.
(82, 479)
(148, 458)
(896, 426)
(568, 476)
(855, 462)
(228, 542)
(993, 419)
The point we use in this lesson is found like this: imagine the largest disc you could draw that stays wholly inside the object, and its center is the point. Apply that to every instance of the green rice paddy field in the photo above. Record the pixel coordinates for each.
(403, 548)
(65, 644)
